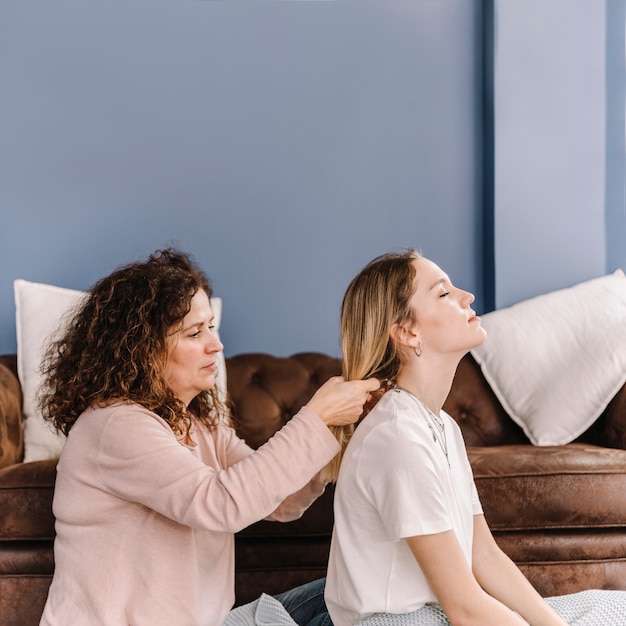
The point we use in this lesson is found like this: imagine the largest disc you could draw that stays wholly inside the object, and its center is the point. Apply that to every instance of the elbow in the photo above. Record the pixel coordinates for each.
(466, 613)
(230, 522)
(285, 514)
(464, 619)
(460, 617)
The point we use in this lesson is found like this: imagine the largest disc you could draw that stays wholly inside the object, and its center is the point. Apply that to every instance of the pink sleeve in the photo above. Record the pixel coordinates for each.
(294, 505)
(139, 459)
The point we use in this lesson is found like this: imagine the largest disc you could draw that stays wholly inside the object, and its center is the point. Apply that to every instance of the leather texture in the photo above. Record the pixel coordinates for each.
(559, 512)
(11, 438)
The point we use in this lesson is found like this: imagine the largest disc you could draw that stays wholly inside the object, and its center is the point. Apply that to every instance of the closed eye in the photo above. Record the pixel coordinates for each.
(210, 327)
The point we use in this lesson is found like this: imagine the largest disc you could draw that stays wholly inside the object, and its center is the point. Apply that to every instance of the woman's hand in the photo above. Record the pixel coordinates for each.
(339, 402)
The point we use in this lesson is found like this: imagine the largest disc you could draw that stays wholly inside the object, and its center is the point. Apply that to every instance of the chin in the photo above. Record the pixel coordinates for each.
(210, 385)
(481, 339)
(208, 379)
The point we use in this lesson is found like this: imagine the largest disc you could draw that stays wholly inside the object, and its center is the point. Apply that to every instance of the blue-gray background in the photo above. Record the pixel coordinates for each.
(284, 144)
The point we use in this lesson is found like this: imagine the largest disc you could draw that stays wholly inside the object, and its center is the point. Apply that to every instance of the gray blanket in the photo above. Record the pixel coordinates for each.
(586, 608)
(266, 611)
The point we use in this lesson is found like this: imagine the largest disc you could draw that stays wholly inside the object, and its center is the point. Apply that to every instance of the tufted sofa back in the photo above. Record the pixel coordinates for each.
(266, 391)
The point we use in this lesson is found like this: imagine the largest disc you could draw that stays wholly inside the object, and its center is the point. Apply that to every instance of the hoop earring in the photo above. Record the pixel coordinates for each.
(418, 350)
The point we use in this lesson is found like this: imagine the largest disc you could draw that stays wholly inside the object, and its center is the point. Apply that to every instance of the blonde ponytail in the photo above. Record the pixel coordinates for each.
(376, 299)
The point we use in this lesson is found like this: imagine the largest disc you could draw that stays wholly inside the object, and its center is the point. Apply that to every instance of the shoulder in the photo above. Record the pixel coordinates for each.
(395, 415)
(391, 434)
(118, 425)
(120, 413)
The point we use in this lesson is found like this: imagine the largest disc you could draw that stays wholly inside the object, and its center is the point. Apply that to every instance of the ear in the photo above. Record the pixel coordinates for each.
(405, 335)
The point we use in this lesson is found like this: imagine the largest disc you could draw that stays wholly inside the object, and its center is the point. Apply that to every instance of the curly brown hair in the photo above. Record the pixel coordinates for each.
(114, 347)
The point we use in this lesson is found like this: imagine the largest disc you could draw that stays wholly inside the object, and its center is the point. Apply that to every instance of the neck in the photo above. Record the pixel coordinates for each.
(430, 382)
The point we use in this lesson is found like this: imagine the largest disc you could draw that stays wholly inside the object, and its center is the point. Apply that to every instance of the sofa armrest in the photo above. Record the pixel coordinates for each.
(11, 439)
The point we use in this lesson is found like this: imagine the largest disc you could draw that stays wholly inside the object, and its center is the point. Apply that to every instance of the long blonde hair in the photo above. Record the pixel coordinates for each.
(377, 298)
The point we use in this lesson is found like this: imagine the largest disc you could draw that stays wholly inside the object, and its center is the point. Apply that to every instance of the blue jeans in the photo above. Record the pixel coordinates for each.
(306, 604)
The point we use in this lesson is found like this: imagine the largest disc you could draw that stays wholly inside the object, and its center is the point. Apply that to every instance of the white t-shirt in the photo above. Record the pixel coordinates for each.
(395, 483)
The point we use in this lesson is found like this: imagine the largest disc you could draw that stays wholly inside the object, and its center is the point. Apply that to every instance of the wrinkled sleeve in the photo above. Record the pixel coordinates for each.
(139, 459)
(294, 505)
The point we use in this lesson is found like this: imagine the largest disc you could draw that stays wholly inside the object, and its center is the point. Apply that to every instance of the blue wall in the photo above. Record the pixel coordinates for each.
(283, 144)
(616, 135)
(550, 101)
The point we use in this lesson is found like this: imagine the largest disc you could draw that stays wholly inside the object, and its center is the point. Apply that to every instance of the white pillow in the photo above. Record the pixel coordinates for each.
(555, 361)
(41, 310)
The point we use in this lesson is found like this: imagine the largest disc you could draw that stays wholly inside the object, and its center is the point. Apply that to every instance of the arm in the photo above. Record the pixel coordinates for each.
(463, 600)
(337, 402)
(139, 459)
(502, 579)
(293, 506)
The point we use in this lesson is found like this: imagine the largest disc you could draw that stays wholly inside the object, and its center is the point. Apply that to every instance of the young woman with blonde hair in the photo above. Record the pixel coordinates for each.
(410, 541)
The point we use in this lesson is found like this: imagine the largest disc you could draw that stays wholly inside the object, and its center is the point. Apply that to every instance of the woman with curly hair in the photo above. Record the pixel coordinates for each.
(152, 483)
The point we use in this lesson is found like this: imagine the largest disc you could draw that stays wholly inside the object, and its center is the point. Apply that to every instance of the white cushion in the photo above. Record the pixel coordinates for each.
(40, 311)
(555, 361)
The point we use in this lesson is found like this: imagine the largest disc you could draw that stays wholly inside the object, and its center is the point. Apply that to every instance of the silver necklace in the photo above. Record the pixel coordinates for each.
(435, 423)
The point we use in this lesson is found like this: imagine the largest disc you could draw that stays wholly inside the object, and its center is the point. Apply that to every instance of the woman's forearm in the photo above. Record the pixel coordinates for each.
(449, 575)
(501, 578)
(292, 507)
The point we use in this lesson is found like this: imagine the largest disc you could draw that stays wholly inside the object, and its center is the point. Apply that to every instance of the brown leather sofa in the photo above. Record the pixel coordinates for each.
(559, 512)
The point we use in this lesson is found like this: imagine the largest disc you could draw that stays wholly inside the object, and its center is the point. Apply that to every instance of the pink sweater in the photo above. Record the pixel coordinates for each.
(145, 524)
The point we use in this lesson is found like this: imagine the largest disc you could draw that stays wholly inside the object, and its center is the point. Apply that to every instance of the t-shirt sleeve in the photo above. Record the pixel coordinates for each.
(477, 507)
(405, 486)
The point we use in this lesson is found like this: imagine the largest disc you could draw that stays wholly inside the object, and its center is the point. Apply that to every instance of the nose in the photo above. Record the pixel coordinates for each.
(467, 298)
(213, 344)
